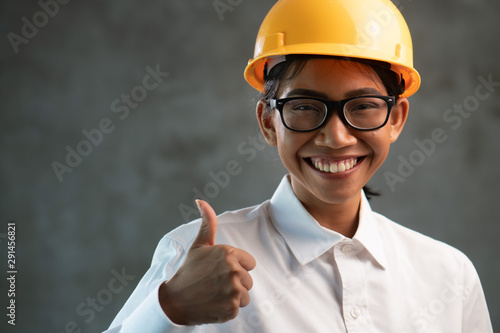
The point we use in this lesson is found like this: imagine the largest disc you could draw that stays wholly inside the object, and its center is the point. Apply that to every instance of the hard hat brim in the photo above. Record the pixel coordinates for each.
(254, 72)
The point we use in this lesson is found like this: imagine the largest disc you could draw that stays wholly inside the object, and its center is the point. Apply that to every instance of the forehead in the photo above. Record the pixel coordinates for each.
(333, 78)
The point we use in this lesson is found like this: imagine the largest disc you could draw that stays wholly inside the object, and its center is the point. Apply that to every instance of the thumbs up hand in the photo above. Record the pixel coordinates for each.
(213, 281)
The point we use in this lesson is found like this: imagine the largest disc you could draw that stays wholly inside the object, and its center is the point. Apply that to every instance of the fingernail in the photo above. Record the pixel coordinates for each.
(200, 209)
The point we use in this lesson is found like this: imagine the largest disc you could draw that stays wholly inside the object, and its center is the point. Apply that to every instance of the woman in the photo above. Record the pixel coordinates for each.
(335, 77)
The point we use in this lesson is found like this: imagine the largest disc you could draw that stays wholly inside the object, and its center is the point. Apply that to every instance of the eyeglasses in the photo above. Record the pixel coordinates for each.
(364, 113)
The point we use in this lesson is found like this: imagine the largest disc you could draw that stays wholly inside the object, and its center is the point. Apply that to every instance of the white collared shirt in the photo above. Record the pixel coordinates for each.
(387, 278)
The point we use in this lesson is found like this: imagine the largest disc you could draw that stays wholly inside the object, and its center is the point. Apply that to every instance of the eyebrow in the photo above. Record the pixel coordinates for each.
(317, 94)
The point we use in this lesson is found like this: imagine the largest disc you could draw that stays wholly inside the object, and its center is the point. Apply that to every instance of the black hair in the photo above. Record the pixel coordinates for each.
(294, 64)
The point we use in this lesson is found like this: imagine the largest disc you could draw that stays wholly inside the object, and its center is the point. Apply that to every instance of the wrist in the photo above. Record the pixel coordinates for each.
(168, 306)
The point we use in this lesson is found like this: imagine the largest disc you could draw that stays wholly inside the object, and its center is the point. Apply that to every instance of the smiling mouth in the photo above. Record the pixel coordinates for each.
(328, 166)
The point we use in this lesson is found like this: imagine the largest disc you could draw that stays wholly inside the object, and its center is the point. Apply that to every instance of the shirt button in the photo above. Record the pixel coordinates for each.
(346, 248)
(355, 312)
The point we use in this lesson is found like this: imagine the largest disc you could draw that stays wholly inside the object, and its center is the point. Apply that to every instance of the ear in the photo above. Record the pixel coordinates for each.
(398, 117)
(266, 123)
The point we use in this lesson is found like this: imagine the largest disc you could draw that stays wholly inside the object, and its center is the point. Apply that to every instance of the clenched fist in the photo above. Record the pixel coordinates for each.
(213, 281)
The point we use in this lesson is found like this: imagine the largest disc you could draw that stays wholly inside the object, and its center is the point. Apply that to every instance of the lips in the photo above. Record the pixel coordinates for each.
(334, 166)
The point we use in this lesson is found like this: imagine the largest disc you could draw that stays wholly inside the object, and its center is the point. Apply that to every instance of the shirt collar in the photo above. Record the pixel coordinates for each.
(307, 239)
(368, 232)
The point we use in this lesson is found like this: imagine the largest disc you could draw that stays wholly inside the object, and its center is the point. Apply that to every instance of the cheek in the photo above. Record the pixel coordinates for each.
(285, 143)
(290, 143)
(379, 142)
(284, 137)
(282, 141)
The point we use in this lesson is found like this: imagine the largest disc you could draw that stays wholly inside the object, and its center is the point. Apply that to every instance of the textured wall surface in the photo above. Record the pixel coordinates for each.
(158, 87)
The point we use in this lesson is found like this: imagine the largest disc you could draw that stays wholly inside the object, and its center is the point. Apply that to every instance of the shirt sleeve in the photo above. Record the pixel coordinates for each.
(475, 318)
(142, 312)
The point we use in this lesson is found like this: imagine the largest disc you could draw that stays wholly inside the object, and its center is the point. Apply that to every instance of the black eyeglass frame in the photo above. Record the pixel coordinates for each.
(338, 105)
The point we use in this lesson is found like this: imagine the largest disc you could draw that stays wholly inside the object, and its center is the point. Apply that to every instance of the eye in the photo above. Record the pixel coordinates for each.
(364, 106)
(305, 107)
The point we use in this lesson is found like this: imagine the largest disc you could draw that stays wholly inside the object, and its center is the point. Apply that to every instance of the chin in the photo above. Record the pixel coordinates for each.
(339, 197)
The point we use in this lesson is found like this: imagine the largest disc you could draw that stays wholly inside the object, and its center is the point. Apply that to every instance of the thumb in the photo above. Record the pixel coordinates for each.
(208, 228)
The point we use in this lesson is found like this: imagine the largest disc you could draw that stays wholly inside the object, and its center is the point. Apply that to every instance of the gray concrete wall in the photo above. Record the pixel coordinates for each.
(106, 215)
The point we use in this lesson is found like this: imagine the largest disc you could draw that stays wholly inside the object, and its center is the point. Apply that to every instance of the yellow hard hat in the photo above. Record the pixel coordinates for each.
(365, 29)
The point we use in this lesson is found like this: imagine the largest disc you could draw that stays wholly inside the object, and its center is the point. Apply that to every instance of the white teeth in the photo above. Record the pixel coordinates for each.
(334, 167)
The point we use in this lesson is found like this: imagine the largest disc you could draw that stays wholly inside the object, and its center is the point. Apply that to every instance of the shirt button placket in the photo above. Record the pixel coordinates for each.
(346, 248)
(355, 312)
(353, 285)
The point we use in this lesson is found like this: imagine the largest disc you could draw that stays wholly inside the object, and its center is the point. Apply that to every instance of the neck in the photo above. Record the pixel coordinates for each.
(339, 217)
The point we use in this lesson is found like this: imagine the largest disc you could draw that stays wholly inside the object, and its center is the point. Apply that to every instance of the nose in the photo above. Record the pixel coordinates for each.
(335, 134)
